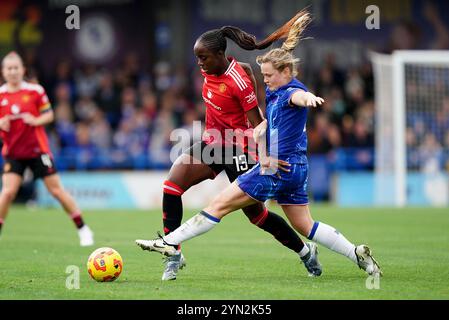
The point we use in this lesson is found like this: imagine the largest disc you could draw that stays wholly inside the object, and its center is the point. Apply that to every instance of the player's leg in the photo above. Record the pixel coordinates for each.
(274, 224)
(258, 214)
(326, 235)
(183, 174)
(54, 186)
(10, 185)
(229, 200)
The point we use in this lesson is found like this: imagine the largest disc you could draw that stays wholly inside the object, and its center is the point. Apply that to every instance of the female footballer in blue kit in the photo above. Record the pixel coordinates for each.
(281, 173)
(231, 105)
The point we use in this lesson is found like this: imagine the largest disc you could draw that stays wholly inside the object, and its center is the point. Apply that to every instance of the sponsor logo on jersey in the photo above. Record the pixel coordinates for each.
(209, 94)
(251, 97)
(15, 109)
(211, 103)
(4, 102)
(222, 87)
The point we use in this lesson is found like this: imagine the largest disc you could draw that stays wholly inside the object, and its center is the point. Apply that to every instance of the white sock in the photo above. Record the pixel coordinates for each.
(304, 251)
(195, 226)
(332, 239)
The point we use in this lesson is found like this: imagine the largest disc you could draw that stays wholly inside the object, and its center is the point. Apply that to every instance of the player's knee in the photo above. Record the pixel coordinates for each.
(303, 226)
(56, 192)
(9, 194)
(257, 216)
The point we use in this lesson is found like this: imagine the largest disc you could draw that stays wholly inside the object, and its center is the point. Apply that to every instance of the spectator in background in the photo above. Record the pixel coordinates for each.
(131, 70)
(85, 108)
(107, 97)
(160, 144)
(405, 35)
(430, 154)
(64, 126)
(87, 81)
(128, 103)
(85, 149)
(163, 78)
(149, 106)
(63, 76)
(100, 131)
(441, 40)
(318, 134)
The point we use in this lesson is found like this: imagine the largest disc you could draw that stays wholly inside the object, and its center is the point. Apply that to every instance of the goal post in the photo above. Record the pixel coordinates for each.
(411, 92)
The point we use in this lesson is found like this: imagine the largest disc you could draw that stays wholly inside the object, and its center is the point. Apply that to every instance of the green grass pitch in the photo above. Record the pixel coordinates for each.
(236, 260)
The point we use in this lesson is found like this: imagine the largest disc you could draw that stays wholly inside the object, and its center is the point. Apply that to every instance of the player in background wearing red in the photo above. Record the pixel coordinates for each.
(24, 112)
(231, 104)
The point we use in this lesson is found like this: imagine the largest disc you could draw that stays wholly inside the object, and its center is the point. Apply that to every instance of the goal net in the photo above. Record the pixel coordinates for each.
(412, 128)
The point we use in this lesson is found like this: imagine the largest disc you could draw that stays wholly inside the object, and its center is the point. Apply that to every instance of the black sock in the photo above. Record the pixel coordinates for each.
(172, 213)
(172, 208)
(1, 225)
(280, 229)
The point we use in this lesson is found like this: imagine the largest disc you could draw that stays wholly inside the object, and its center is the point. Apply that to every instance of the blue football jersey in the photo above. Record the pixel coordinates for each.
(287, 138)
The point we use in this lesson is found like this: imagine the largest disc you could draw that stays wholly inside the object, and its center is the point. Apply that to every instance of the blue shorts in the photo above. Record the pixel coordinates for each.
(291, 188)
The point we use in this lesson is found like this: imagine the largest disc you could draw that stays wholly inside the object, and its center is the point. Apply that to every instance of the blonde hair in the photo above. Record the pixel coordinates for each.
(11, 55)
(283, 57)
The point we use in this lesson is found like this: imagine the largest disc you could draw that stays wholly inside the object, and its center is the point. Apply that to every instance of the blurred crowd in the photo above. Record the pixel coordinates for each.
(427, 119)
(123, 118)
(119, 118)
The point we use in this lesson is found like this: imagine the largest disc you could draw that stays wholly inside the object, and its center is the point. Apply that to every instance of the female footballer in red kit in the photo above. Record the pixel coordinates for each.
(24, 112)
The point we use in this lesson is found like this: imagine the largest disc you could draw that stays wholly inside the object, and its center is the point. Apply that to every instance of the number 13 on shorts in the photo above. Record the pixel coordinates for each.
(240, 162)
(46, 160)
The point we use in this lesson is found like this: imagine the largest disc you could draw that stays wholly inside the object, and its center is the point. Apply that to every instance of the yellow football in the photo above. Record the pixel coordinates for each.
(104, 264)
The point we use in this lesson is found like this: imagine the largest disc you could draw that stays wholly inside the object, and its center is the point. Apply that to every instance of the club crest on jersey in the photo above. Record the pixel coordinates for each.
(26, 98)
(15, 109)
(222, 87)
(4, 102)
(209, 94)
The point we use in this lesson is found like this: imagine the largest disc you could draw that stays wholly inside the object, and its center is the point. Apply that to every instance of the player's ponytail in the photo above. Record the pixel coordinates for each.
(215, 40)
(282, 58)
(296, 31)
(291, 30)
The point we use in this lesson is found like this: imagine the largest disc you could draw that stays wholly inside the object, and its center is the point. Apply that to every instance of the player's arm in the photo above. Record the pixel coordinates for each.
(250, 73)
(4, 123)
(43, 106)
(301, 98)
(267, 162)
(255, 116)
(43, 119)
(260, 127)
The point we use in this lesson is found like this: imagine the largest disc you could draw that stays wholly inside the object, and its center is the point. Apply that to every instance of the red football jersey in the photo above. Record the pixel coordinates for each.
(227, 98)
(23, 141)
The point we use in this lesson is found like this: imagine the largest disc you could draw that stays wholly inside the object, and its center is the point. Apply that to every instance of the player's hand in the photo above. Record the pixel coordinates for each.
(4, 123)
(312, 100)
(270, 165)
(29, 119)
